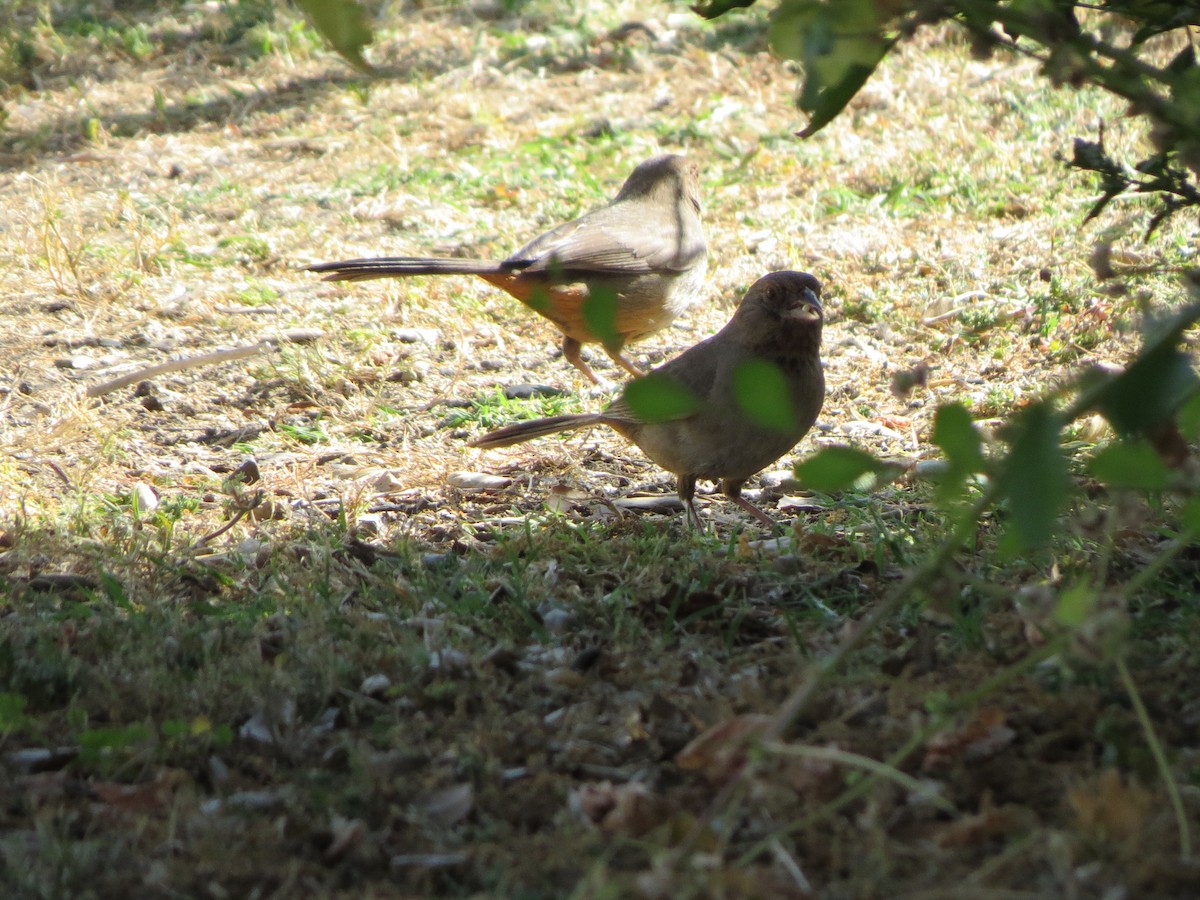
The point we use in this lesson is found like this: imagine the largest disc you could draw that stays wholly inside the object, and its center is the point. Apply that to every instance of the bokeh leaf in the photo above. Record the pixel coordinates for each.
(660, 398)
(839, 44)
(1189, 417)
(954, 431)
(762, 393)
(1131, 464)
(1157, 383)
(1034, 478)
(345, 24)
(1074, 604)
(711, 9)
(600, 314)
(837, 469)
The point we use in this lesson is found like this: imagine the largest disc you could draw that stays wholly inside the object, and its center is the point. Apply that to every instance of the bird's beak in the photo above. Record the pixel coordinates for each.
(808, 308)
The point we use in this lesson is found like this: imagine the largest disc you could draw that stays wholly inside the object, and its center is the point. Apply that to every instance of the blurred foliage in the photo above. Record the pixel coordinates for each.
(1153, 405)
(1103, 44)
(345, 24)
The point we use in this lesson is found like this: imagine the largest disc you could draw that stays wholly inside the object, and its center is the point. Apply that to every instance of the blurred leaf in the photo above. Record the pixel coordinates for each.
(1074, 604)
(94, 742)
(1188, 417)
(839, 44)
(1158, 382)
(659, 398)
(539, 299)
(1130, 464)
(837, 468)
(762, 393)
(1189, 516)
(954, 431)
(114, 590)
(711, 9)
(600, 314)
(12, 712)
(345, 25)
(1034, 478)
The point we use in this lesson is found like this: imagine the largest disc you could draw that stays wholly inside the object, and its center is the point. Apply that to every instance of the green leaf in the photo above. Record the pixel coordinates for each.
(1188, 417)
(114, 590)
(94, 742)
(954, 431)
(1074, 604)
(1130, 464)
(711, 9)
(600, 314)
(1158, 382)
(660, 398)
(762, 393)
(344, 23)
(837, 469)
(839, 44)
(1034, 478)
(1189, 516)
(12, 712)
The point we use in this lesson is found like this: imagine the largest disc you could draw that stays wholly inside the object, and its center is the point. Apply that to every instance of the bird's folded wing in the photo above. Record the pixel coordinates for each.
(609, 244)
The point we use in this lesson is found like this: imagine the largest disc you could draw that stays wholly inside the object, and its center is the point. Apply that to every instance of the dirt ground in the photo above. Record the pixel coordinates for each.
(186, 648)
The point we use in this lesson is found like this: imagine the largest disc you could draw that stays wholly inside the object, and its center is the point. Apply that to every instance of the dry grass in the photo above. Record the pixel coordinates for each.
(161, 187)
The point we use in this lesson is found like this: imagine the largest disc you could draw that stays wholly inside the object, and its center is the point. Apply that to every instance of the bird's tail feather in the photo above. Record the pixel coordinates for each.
(535, 428)
(397, 266)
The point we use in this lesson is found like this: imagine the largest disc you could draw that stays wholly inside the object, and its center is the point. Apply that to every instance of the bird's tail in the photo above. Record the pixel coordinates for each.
(535, 428)
(399, 266)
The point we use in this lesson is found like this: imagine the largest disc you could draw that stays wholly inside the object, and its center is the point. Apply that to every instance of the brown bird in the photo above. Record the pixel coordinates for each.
(739, 400)
(611, 276)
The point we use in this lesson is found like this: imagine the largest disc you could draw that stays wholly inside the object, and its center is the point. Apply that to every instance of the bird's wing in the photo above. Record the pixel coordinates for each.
(695, 371)
(605, 241)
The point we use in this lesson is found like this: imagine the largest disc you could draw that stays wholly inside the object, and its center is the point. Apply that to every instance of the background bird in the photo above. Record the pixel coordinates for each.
(611, 276)
(770, 348)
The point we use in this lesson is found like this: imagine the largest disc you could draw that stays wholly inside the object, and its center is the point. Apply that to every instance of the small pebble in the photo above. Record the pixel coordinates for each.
(530, 391)
(79, 363)
(557, 620)
(247, 471)
(417, 335)
(375, 685)
(477, 481)
(387, 483)
(146, 499)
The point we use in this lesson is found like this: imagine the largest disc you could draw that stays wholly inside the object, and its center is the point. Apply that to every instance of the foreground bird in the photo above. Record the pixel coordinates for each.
(778, 322)
(611, 276)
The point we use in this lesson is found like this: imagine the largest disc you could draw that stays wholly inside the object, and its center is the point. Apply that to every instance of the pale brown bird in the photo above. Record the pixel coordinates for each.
(611, 276)
(756, 388)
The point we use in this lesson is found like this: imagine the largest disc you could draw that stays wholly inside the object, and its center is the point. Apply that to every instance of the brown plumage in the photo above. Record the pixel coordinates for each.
(611, 276)
(779, 321)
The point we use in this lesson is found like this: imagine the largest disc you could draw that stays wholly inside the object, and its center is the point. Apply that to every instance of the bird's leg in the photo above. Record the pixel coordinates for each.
(572, 352)
(687, 493)
(733, 490)
(615, 354)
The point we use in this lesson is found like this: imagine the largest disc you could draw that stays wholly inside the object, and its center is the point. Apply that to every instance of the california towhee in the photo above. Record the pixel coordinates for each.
(778, 322)
(612, 276)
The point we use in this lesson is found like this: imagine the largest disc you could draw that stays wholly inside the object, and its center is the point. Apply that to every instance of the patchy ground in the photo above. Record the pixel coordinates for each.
(267, 628)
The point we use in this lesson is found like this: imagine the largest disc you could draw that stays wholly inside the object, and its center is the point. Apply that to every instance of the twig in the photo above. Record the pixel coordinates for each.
(1160, 759)
(204, 359)
(844, 757)
(242, 512)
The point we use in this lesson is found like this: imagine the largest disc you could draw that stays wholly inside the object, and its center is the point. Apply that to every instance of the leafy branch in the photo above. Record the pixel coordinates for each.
(840, 44)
